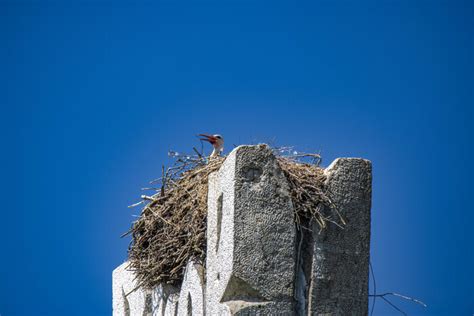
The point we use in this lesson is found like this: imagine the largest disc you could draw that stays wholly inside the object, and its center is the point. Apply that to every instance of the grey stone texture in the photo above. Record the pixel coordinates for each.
(340, 261)
(251, 236)
(257, 262)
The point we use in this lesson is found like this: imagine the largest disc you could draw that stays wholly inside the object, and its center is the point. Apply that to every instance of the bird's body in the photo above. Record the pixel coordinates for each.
(215, 153)
(217, 141)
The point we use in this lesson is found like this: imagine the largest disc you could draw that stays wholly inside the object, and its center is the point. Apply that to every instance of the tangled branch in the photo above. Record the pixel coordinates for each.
(383, 296)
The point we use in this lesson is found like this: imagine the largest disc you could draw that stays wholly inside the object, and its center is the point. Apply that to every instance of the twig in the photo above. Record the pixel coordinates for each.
(408, 298)
(149, 189)
(382, 296)
(375, 288)
(394, 306)
(136, 204)
(197, 152)
(306, 155)
(149, 198)
(163, 176)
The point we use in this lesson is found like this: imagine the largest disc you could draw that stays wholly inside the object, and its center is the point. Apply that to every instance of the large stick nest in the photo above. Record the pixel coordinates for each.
(172, 226)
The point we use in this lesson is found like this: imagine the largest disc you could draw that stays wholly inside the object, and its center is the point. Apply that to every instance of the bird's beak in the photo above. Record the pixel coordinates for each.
(208, 138)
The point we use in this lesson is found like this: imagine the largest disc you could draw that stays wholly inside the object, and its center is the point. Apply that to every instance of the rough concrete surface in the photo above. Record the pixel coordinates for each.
(340, 267)
(220, 245)
(191, 297)
(165, 300)
(251, 235)
(126, 300)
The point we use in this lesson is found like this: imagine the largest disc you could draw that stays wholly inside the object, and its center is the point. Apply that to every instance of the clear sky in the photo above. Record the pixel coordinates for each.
(94, 94)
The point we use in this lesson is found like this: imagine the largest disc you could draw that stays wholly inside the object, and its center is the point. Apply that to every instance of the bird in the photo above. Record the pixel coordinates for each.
(217, 141)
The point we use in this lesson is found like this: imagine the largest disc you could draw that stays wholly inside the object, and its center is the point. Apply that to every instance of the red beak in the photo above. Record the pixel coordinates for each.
(208, 138)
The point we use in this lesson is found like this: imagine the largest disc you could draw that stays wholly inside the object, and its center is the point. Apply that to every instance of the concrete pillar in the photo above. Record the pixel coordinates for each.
(251, 236)
(127, 299)
(165, 300)
(191, 297)
(340, 260)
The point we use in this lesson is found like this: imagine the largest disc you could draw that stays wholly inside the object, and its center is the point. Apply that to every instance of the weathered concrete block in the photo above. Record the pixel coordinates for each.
(250, 237)
(130, 301)
(191, 297)
(127, 299)
(340, 265)
(165, 300)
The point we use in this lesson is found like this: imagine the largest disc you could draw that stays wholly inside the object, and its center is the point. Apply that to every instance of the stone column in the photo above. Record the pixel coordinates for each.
(340, 260)
(128, 300)
(250, 237)
(165, 300)
(191, 297)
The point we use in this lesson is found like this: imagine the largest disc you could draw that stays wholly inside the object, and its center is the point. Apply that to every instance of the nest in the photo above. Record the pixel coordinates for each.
(172, 226)
(308, 193)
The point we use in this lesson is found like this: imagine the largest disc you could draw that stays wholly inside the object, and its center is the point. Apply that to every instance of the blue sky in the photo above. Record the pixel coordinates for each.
(94, 94)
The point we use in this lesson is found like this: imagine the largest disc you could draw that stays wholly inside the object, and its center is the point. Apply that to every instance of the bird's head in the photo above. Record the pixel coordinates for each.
(216, 140)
